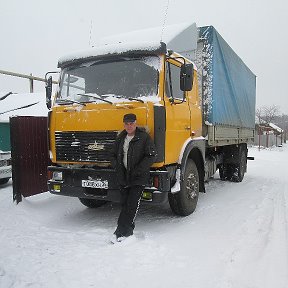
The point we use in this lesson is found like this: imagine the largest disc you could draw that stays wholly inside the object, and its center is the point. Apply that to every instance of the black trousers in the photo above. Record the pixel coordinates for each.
(130, 200)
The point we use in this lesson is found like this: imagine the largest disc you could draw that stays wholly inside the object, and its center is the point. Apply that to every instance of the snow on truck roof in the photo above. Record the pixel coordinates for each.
(113, 49)
(180, 38)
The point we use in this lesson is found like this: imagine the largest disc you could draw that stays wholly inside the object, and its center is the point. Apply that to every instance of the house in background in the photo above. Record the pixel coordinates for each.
(268, 135)
(4, 136)
(26, 104)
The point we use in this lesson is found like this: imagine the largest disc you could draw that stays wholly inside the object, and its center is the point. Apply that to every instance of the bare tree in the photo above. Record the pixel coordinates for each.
(270, 112)
(259, 115)
(266, 114)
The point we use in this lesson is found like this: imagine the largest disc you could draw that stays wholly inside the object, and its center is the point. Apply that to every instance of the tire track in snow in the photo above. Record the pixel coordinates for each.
(259, 243)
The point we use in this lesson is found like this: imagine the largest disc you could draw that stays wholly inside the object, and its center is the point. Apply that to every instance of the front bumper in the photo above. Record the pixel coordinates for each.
(5, 172)
(71, 184)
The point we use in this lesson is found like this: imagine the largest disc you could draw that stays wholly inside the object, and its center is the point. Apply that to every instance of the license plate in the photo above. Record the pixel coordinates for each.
(100, 184)
(56, 188)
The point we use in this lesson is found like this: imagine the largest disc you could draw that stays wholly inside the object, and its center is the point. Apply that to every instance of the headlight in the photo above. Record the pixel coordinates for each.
(57, 175)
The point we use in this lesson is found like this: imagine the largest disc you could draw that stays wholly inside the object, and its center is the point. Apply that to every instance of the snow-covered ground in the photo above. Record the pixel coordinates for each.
(237, 237)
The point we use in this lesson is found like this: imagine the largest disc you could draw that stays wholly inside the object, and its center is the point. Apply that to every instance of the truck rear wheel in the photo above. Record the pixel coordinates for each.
(241, 167)
(226, 172)
(92, 203)
(235, 172)
(185, 201)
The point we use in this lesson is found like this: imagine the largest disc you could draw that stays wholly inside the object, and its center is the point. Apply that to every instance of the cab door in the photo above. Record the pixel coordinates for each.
(177, 112)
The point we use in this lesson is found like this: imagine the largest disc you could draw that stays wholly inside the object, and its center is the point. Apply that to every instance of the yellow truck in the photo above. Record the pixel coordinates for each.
(197, 103)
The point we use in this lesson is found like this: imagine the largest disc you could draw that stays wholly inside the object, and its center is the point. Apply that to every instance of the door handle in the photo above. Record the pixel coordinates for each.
(187, 127)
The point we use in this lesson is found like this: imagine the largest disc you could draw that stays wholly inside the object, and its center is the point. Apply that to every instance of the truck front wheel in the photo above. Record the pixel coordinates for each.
(184, 202)
(92, 203)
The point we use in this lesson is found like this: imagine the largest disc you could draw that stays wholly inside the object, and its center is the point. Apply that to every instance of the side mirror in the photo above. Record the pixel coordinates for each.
(48, 88)
(186, 77)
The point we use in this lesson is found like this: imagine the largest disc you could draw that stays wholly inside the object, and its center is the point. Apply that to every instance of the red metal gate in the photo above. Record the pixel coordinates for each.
(30, 158)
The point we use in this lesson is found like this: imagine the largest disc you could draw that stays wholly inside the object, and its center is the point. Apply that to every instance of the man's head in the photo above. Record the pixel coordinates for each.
(130, 125)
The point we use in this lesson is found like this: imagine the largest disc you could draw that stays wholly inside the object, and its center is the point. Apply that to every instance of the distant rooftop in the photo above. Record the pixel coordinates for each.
(16, 105)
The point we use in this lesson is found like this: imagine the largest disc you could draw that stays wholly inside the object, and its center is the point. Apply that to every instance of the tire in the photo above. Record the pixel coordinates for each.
(241, 167)
(184, 202)
(4, 181)
(235, 172)
(92, 203)
(226, 172)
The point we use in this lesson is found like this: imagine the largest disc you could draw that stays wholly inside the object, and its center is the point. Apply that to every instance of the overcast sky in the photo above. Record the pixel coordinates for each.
(35, 33)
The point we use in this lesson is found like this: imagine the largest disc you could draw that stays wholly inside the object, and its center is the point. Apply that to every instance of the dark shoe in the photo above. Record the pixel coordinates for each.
(121, 239)
(128, 239)
(113, 239)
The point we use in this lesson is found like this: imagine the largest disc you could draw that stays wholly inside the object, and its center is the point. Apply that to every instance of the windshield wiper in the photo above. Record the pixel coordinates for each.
(120, 97)
(135, 99)
(95, 97)
(65, 101)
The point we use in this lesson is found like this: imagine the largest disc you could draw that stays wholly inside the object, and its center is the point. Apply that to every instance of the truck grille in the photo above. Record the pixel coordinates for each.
(84, 146)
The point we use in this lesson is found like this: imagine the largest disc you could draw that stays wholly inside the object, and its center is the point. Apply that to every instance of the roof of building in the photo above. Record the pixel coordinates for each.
(22, 104)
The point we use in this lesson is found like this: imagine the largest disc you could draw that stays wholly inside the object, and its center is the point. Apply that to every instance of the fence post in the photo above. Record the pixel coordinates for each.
(31, 84)
(30, 77)
(259, 136)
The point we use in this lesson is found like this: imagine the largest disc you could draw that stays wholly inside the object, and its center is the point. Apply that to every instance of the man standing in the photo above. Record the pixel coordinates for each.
(134, 153)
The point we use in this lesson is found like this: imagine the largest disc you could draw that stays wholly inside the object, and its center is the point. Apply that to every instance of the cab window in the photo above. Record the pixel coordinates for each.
(173, 82)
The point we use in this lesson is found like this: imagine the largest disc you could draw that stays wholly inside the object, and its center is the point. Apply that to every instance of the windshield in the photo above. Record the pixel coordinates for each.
(115, 81)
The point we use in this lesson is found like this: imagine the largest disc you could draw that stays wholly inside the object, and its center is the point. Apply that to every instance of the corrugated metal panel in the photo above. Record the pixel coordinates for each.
(29, 148)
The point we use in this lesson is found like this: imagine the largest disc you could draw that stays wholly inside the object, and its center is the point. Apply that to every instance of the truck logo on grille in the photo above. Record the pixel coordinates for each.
(96, 147)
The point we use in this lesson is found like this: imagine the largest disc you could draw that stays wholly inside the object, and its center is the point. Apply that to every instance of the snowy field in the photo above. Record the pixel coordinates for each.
(237, 238)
